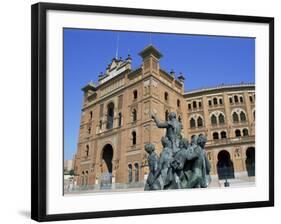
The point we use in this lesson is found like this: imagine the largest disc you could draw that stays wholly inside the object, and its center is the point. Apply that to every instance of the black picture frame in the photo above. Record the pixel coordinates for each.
(39, 107)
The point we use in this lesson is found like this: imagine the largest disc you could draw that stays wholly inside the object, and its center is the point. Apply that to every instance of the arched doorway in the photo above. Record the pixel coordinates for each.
(106, 166)
(225, 166)
(250, 161)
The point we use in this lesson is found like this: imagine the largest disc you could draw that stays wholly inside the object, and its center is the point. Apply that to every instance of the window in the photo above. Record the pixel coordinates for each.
(251, 99)
(236, 99)
(192, 123)
(130, 173)
(189, 106)
(135, 94)
(210, 103)
(134, 115)
(215, 101)
(235, 117)
(214, 120)
(166, 115)
(91, 115)
(221, 119)
(199, 122)
(194, 104)
(241, 99)
(220, 100)
(119, 119)
(89, 130)
(179, 119)
(242, 116)
(178, 103)
(199, 104)
(215, 135)
(245, 132)
(230, 100)
(134, 138)
(110, 116)
(100, 124)
(223, 134)
(166, 96)
(237, 133)
(254, 114)
(87, 151)
(136, 172)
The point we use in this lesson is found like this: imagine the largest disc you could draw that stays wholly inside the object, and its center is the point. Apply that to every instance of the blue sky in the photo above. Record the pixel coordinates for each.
(205, 61)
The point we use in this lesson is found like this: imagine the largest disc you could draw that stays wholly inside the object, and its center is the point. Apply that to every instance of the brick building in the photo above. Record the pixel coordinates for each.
(116, 122)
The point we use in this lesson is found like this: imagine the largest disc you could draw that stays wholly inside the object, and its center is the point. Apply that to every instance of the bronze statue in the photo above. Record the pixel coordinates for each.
(173, 129)
(152, 159)
(180, 164)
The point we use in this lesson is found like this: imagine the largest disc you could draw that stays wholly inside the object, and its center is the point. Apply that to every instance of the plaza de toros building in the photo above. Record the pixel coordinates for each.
(116, 123)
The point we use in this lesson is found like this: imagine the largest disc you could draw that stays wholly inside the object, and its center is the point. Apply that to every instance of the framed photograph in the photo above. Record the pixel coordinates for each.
(139, 111)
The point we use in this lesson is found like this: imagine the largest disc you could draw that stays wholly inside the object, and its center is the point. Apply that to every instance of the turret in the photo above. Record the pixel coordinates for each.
(150, 59)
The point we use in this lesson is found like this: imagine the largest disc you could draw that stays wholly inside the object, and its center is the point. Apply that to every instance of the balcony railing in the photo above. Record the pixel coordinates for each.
(235, 140)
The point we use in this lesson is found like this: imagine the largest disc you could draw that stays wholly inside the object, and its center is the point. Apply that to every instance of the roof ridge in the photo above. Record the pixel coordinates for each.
(219, 87)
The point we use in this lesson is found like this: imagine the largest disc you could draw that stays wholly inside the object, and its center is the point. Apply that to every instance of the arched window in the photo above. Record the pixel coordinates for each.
(230, 100)
(236, 99)
(199, 104)
(210, 102)
(87, 150)
(134, 115)
(130, 173)
(220, 100)
(235, 118)
(215, 100)
(251, 99)
(223, 134)
(214, 120)
(110, 116)
(166, 115)
(199, 122)
(178, 103)
(192, 123)
(241, 99)
(166, 96)
(242, 116)
(89, 130)
(119, 119)
(135, 94)
(254, 114)
(194, 104)
(134, 138)
(136, 166)
(189, 106)
(245, 132)
(237, 133)
(215, 135)
(221, 119)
